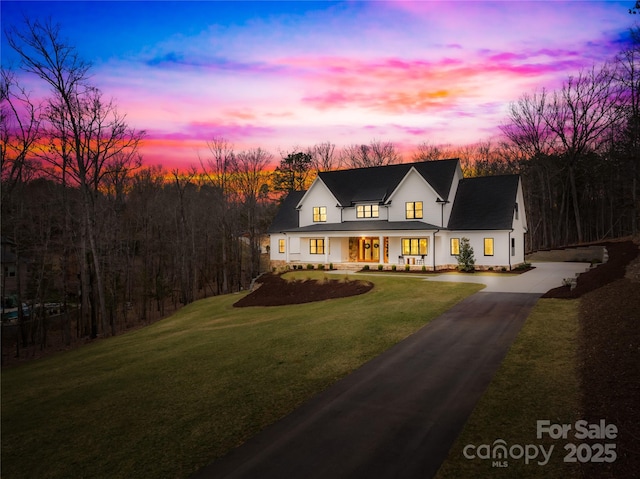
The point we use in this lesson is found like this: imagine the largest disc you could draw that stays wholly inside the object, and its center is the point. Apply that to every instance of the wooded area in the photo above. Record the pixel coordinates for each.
(111, 242)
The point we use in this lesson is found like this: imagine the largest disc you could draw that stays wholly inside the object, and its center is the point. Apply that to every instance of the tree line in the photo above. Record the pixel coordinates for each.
(116, 243)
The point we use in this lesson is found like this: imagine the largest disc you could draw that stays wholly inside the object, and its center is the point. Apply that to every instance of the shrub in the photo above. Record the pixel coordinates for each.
(490, 268)
(365, 267)
(466, 259)
(320, 266)
(330, 265)
(393, 267)
(379, 267)
(309, 266)
(407, 267)
(424, 268)
(504, 269)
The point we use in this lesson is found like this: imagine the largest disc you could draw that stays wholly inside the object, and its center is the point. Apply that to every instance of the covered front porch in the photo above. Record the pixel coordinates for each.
(412, 249)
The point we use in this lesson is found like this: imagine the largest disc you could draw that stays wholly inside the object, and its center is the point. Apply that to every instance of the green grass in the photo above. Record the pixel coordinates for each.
(537, 380)
(166, 400)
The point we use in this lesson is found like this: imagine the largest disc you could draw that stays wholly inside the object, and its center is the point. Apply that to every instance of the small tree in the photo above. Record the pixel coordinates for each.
(466, 260)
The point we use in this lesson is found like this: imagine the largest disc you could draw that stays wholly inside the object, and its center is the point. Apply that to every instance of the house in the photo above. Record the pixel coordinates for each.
(406, 214)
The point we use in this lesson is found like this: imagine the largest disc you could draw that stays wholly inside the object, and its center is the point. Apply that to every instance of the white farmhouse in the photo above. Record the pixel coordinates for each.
(407, 214)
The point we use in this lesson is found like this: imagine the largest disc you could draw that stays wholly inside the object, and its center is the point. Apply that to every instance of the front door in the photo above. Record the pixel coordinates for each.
(369, 249)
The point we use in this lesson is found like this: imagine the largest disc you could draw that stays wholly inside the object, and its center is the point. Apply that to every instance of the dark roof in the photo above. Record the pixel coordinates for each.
(366, 225)
(287, 216)
(484, 203)
(439, 174)
(377, 183)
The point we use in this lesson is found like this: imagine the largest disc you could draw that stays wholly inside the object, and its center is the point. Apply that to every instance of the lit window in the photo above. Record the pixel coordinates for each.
(367, 211)
(415, 246)
(319, 214)
(455, 246)
(413, 210)
(488, 246)
(281, 246)
(316, 246)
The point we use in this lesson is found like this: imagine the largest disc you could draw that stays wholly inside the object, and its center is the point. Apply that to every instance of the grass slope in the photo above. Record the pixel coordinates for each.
(166, 400)
(537, 380)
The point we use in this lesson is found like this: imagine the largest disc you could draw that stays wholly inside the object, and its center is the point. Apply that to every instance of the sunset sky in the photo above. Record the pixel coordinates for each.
(278, 75)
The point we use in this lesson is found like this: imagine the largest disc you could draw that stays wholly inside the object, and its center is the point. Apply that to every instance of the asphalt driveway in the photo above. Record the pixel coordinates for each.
(398, 415)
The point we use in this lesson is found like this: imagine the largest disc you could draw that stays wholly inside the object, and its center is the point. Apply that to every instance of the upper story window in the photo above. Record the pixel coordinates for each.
(413, 210)
(367, 211)
(516, 210)
(319, 214)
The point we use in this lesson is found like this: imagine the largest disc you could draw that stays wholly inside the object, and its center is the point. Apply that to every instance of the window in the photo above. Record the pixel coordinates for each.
(488, 246)
(281, 246)
(319, 214)
(415, 246)
(513, 246)
(413, 210)
(367, 211)
(455, 246)
(516, 210)
(316, 246)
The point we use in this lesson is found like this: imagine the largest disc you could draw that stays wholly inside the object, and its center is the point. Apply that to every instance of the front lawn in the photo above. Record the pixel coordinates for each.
(166, 400)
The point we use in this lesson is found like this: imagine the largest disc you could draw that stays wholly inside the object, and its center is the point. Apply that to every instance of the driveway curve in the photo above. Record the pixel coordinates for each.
(397, 415)
(543, 277)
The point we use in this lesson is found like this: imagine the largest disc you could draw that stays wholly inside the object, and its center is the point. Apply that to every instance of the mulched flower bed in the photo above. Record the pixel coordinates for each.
(275, 291)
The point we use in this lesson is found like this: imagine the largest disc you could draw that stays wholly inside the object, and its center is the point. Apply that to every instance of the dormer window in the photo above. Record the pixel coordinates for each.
(413, 210)
(319, 214)
(367, 211)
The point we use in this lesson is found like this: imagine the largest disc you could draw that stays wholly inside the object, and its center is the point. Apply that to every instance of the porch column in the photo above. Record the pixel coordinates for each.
(380, 249)
(287, 245)
(326, 250)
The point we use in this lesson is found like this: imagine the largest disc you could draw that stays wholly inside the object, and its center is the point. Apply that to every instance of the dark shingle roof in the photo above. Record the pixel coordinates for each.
(367, 225)
(287, 216)
(377, 183)
(439, 174)
(484, 203)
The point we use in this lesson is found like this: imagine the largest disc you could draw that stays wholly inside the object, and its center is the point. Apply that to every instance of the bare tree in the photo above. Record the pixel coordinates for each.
(628, 76)
(427, 151)
(218, 170)
(86, 133)
(580, 116)
(526, 127)
(323, 157)
(19, 130)
(376, 153)
(252, 181)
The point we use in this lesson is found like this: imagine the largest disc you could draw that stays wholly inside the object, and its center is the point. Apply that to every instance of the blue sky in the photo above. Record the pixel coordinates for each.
(278, 75)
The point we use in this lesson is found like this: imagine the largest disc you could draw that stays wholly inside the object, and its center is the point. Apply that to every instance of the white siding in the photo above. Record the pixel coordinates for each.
(414, 188)
(318, 195)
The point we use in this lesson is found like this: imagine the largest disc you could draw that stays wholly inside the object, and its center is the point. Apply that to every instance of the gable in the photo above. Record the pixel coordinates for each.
(439, 174)
(373, 184)
(485, 203)
(376, 184)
